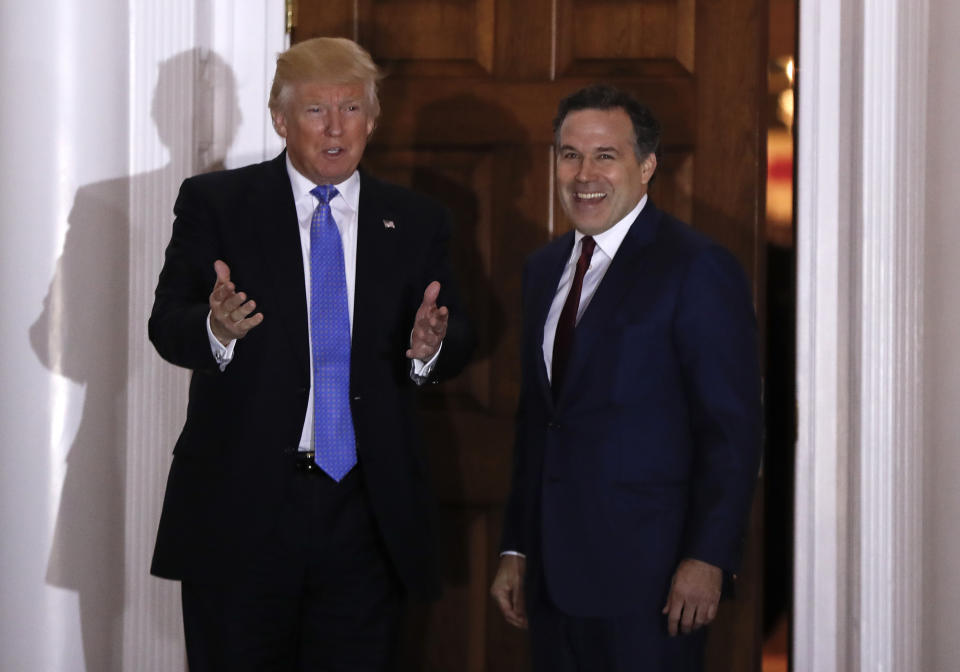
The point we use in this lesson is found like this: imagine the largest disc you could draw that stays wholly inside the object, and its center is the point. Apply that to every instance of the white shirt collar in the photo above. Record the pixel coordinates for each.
(348, 190)
(609, 241)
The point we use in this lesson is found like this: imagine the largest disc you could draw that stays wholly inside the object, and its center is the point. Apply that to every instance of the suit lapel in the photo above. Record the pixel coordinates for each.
(546, 278)
(620, 278)
(274, 220)
(377, 240)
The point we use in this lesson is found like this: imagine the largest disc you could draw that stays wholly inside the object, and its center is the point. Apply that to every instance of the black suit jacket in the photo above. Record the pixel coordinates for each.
(233, 458)
(649, 453)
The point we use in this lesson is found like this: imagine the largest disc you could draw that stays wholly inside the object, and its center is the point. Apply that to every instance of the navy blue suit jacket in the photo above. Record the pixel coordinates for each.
(232, 462)
(650, 452)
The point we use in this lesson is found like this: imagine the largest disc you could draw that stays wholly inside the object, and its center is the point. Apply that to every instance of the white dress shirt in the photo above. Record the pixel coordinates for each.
(608, 243)
(345, 208)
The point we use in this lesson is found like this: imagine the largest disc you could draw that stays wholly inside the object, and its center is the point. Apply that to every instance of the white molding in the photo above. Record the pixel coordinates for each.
(891, 436)
(822, 251)
(216, 58)
(860, 223)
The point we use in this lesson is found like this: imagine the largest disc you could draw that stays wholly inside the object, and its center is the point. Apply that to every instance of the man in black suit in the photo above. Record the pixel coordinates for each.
(638, 430)
(310, 300)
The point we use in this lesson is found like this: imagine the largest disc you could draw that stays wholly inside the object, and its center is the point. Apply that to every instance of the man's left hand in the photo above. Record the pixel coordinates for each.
(694, 595)
(429, 326)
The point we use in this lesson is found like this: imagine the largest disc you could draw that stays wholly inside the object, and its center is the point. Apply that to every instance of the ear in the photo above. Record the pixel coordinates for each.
(279, 123)
(649, 166)
(371, 124)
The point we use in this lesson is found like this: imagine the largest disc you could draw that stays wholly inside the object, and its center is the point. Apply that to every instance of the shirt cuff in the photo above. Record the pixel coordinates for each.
(222, 354)
(420, 370)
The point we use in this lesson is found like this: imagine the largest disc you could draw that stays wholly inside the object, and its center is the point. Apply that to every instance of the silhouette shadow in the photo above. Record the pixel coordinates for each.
(82, 334)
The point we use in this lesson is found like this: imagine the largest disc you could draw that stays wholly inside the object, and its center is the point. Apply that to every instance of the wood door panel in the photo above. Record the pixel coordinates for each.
(467, 107)
(617, 38)
(451, 111)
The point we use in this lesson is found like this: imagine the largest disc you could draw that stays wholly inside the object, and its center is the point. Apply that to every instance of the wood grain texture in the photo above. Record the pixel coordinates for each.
(467, 108)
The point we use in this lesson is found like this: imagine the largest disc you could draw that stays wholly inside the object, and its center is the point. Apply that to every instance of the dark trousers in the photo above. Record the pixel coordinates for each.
(321, 596)
(634, 643)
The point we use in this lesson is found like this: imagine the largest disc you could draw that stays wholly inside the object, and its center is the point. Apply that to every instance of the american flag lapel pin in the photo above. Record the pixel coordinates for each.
(388, 224)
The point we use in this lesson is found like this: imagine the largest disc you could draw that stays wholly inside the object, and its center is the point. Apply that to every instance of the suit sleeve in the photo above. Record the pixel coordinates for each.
(715, 335)
(177, 325)
(460, 340)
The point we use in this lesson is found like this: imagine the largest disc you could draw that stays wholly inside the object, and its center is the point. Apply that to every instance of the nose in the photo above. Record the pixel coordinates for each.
(334, 127)
(585, 171)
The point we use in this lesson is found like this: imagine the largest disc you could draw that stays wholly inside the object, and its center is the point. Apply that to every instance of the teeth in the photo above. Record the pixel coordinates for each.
(335, 150)
(590, 196)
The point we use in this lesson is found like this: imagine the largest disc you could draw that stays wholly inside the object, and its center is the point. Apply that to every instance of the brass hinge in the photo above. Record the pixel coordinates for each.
(291, 16)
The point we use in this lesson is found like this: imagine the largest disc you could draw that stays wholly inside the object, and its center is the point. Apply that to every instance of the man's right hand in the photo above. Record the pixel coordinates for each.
(229, 309)
(507, 589)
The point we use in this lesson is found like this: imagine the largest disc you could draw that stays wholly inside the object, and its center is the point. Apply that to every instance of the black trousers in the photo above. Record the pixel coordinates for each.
(320, 596)
(633, 643)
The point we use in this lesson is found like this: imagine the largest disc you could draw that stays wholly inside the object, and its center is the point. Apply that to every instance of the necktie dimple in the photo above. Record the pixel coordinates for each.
(563, 338)
(334, 443)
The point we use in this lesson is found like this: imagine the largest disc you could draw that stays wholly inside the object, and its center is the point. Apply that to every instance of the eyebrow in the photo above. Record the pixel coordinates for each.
(565, 148)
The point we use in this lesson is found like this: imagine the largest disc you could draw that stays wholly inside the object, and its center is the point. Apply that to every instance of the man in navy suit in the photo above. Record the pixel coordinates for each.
(638, 429)
(310, 300)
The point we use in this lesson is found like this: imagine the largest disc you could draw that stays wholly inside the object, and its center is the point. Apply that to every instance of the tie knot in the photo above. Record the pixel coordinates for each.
(587, 245)
(325, 192)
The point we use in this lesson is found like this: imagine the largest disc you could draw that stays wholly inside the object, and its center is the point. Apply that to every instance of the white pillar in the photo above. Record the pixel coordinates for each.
(63, 126)
(941, 592)
(862, 94)
(199, 82)
(88, 173)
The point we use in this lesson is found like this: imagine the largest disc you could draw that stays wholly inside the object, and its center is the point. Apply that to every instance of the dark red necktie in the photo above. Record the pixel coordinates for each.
(568, 317)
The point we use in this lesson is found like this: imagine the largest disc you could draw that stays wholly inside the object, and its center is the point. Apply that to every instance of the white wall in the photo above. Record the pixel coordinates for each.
(942, 346)
(61, 126)
(107, 106)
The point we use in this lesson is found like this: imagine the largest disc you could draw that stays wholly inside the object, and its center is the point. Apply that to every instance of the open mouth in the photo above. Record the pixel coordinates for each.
(589, 196)
(334, 152)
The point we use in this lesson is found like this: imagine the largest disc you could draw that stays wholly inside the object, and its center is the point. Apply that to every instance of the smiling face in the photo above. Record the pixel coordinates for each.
(599, 177)
(326, 127)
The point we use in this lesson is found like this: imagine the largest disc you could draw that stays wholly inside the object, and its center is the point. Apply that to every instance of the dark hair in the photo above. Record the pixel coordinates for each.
(646, 129)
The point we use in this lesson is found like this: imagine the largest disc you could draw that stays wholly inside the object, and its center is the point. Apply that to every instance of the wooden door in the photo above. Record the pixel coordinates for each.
(467, 109)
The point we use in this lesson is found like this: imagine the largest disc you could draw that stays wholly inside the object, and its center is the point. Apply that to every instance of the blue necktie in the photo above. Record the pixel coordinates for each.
(334, 445)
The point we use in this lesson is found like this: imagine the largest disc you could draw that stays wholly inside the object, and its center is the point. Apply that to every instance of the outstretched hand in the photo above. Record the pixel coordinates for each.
(429, 326)
(694, 595)
(230, 311)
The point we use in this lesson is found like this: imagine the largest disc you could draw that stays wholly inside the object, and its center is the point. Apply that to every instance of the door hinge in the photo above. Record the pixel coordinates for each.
(291, 16)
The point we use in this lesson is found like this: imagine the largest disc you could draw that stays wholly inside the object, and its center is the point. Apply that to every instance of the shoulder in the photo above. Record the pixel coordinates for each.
(687, 249)
(237, 190)
(680, 238)
(547, 254)
(393, 197)
(237, 178)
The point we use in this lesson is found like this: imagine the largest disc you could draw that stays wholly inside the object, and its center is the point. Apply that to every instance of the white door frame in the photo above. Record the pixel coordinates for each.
(860, 227)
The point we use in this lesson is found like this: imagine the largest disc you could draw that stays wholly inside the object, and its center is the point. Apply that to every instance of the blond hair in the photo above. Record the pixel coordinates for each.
(330, 60)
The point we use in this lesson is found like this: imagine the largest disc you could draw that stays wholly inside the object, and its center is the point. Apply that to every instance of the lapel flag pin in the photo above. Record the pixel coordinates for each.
(388, 224)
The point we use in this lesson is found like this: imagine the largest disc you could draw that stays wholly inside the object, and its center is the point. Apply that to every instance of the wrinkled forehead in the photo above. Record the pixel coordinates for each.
(327, 92)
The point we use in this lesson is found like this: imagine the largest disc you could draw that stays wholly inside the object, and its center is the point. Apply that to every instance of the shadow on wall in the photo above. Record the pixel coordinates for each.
(82, 334)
